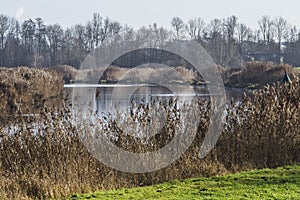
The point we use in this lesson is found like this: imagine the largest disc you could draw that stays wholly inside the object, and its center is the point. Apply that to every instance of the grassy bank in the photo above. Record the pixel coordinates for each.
(280, 183)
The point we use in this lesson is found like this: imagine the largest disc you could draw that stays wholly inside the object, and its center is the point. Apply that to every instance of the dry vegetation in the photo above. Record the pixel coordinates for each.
(68, 72)
(256, 74)
(113, 74)
(253, 75)
(43, 157)
(24, 90)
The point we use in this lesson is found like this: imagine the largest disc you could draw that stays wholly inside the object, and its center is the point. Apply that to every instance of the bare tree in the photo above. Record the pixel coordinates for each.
(28, 36)
(215, 28)
(292, 34)
(243, 32)
(230, 25)
(178, 25)
(115, 28)
(152, 36)
(4, 25)
(104, 30)
(164, 36)
(194, 28)
(13, 50)
(96, 28)
(40, 34)
(40, 43)
(155, 34)
(54, 37)
(143, 37)
(265, 25)
(281, 29)
(148, 36)
(216, 43)
(68, 46)
(224, 39)
(129, 37)
(89, 36)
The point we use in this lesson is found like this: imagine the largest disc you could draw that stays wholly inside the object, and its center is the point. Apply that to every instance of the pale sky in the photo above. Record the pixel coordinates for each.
(136, 13)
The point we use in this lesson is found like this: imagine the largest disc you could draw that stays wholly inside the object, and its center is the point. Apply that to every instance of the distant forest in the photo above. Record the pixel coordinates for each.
(230, 42)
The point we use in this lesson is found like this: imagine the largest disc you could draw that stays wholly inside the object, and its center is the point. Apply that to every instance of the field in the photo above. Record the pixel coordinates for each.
(280, 183)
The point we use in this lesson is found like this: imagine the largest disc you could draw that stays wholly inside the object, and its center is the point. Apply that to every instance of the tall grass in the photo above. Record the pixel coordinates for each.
(43, 156)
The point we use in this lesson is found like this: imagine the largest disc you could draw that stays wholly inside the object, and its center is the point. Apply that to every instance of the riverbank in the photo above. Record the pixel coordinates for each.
(253, 75)
(44, 156)
(280, 183)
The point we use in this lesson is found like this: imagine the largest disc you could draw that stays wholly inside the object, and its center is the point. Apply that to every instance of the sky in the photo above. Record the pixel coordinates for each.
(137, 13)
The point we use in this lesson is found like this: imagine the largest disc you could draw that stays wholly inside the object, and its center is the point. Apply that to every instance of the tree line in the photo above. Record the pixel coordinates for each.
(228, 41)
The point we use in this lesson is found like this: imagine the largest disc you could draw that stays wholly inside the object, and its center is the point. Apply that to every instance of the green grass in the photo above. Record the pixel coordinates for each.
(280, 183)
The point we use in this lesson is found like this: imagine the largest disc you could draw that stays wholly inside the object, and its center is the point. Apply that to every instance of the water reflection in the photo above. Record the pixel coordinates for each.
(108, 98)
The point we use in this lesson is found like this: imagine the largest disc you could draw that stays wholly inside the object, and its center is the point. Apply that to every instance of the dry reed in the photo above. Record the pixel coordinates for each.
(43, 157)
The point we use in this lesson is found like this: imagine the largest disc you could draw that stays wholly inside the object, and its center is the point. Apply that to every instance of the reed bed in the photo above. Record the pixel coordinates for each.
(42, 156)
(25, 90)
(256, 74)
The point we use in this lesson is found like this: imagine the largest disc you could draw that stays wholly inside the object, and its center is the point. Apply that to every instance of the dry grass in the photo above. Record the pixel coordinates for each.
(45, 158)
